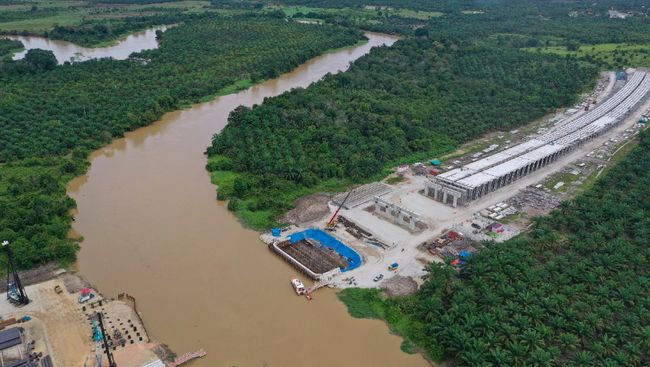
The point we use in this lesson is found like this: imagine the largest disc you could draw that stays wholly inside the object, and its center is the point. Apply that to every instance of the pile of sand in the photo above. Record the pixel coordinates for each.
(308, 209)
(399, 286)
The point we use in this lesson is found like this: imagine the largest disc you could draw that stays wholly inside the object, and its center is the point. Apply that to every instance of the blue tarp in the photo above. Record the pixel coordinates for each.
(354, 260)
(276, 232)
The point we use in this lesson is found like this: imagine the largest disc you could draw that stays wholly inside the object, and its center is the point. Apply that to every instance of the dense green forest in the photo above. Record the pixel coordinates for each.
(91, 33)
(87, 18)
(132, 1)
(423, 96)
(573, 291)
(453, 78)
(8, 47)
(453, 6)
(52, 116)
(441, 5)
(535, 21)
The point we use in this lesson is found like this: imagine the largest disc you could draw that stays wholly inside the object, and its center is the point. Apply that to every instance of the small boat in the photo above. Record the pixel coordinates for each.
(86, 295)
(298, 286)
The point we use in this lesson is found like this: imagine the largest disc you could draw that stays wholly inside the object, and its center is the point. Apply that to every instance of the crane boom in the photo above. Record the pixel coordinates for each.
(331, 221)
(15, 291)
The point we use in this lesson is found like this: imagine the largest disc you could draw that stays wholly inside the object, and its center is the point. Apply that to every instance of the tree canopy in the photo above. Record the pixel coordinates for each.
(8, 47)
(423, 96)
(52, 116)
(574, 291)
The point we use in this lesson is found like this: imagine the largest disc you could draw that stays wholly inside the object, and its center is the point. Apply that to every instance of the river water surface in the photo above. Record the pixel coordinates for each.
(66, 51)
(153, 228)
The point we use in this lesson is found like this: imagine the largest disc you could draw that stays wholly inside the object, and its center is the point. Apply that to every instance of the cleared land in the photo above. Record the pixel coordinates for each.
(605, 54)
(405, 248)
(367, 13)
(61, 327)
(42, 15)
(482, 176)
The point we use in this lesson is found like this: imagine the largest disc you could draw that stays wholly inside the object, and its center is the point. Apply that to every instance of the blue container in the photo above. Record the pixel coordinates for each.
(276, 232)
(464, 254)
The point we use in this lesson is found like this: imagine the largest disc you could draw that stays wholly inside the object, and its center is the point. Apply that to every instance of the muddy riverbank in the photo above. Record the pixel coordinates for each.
(152, 227)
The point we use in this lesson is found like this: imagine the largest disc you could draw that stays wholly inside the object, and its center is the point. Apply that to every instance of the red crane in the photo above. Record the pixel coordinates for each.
(332, 221)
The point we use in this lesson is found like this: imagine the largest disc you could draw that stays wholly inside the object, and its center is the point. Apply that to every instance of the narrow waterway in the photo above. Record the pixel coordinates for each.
(152, 227)
(66, 51)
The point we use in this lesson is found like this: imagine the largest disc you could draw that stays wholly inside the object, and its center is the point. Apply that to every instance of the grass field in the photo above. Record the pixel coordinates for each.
(611, 55)
(43, 15)
(367, 13)
(39, 25)
(473, 12)
(40, 16)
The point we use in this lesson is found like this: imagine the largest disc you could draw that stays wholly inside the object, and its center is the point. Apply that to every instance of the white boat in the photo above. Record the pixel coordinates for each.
(298, 286)
(86, 295)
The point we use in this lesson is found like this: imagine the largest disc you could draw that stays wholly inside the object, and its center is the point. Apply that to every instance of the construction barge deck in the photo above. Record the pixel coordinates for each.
(315, 253)
(316, 257)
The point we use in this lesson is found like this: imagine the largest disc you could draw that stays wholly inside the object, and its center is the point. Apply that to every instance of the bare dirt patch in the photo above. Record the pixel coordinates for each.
(308, 209)
(62, 327)
(74, 283)
(36, 275)
(399, 286)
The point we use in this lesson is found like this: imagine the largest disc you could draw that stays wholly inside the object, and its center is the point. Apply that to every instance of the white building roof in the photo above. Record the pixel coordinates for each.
(156, 363)
(566, 133)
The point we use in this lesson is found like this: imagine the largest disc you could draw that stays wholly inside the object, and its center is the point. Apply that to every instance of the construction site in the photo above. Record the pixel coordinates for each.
(443, 210)
(62, 321)
(472, 181)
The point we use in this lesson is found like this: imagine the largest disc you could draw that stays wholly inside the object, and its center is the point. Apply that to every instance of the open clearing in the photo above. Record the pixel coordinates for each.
(405, 246)
(609, 53)
(61, 327)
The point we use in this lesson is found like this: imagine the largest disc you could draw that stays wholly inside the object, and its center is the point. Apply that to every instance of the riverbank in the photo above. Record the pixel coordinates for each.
(186, 248)
(74, 109)
(383, 241)
(577, 172)
(66, 51)
(60, 327)
(450, 307)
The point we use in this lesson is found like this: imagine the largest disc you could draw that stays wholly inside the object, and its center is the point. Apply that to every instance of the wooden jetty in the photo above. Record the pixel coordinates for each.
(188, 357)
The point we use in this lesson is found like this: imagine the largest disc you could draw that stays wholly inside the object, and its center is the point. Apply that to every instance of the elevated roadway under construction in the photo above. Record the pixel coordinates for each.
(474, 180)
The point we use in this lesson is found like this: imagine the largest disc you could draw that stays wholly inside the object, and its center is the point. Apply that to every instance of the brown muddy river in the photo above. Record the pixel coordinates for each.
(66, 51)
(152, 227)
